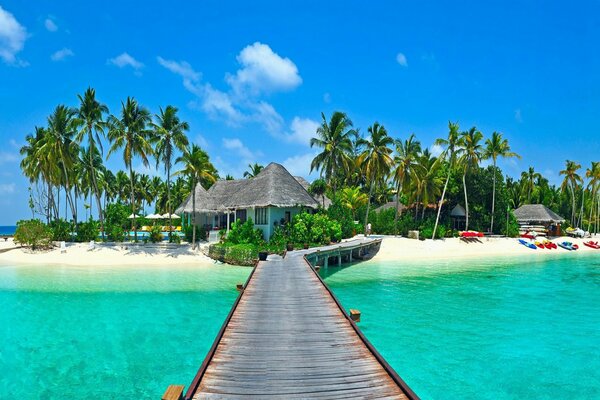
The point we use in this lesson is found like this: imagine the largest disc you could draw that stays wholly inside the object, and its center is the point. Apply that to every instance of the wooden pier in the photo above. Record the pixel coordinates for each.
(287, 336)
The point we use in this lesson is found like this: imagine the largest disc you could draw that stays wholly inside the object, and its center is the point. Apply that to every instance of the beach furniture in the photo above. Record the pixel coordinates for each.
(593, 245)
(528, 244)
(63, 247)
(91, 245)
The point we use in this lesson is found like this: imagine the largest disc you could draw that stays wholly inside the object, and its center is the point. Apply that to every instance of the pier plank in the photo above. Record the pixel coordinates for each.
(288, 337)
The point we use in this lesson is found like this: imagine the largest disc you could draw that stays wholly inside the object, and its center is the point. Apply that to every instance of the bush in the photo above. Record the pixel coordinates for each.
(116, 233)
(315, 228)
(33, 233)
(201, 233)
(116, 214)
(343, 215)
(87, 231)
(244, 233)
(61, 230)
(175, 238)
(236, 254)
(156, 234)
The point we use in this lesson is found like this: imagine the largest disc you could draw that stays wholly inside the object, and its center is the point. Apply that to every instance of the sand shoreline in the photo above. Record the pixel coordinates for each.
(392, 249)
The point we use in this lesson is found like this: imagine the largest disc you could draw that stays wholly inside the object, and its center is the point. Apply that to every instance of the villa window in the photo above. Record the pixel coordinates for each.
(260, 216)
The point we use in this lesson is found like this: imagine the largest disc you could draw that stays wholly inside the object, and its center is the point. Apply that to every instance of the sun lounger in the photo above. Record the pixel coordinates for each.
(91, 246)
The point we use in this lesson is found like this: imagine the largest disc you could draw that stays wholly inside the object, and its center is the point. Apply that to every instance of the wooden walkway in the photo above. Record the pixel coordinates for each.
(287, 337)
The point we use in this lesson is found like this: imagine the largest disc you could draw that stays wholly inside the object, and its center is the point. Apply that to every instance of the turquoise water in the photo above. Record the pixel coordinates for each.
(83, 332)
(482, 330)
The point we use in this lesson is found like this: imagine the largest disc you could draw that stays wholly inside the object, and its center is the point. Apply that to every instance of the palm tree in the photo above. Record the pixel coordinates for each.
(253, 170)
(495, 147)
(352, 198)
(450, 145)
(570, 181)
(529, 179)
(376, 160)
(129, 132)
(593, 174)
(318, 189)
(145, 190)
(169, 135)
(60, 148)
(90, 117)
(197, 166)
(122, 181)
(405, 162)
(428, 179)
(335, 140)
(470, 155)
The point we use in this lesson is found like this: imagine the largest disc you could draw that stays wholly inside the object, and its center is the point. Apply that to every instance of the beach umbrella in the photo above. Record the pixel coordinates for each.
(154, 216)
(132, 216)
(173, 216)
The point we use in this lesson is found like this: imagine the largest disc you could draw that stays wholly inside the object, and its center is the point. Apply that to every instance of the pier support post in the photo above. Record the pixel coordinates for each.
(239, 287)
(173, 392)
(339, 257)
(355, 315)
(326, 262)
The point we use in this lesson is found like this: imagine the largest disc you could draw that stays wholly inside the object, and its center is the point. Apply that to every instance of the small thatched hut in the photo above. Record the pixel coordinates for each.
(270, 198)
(458, 216)
(392, 205)
(538, 218)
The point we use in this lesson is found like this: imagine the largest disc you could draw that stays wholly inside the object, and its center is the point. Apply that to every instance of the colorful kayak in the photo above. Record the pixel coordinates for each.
(471, 234)
(568, 246)
(539, 244)
(550, 245)
(593, 245)
(528, 244)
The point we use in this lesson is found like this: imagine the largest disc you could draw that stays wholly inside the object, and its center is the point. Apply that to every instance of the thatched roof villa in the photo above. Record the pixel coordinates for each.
(271, 198)
(538, 218)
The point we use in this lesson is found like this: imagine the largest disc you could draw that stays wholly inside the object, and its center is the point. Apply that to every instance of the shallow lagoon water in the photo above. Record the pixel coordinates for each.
(110, 332)
(482, 329)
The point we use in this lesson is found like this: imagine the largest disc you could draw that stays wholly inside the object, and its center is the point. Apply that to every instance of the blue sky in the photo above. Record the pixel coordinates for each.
(252, 78)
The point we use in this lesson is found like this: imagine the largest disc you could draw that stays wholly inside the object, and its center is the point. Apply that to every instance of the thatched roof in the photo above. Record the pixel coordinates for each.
(202, 201)
(273, 186)
(458, 211)
(392, 205)
(323, 201)
(536, 213)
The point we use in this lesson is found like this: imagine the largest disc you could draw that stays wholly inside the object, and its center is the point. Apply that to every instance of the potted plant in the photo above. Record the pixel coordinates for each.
(306, 245)
(289, 246)
(262, 252)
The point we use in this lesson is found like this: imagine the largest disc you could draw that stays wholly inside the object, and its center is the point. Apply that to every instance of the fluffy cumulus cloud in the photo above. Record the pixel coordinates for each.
(401, 59)
(124, 60)
(302, 130)
(50, 25)
(238, 147)
(263, 71)
(12, 38)
(61, 54)
(299, 165)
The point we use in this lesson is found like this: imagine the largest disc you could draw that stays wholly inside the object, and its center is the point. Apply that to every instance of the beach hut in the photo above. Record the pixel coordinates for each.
(538, 218)
(392, 205)
(270, 198)
(458, 216)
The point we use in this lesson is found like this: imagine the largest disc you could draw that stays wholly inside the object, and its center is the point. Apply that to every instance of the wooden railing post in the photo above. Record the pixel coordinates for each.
(173, 392)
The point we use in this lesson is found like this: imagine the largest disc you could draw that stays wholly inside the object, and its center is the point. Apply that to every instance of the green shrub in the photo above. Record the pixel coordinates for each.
(235, 254)
(156, 234)
(201, 233)
(61, 230)
(116, 214)
(244, 233)
(115, 233)
(343, 215)
(33, 233)
(87, 231)
(175, 238)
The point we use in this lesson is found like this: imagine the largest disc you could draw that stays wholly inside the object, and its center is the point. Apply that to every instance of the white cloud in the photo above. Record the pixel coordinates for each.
(263, 71)
(302, 130)
(7, 157)
(50, 25)
(300, 165)
(12, 38)
(6, 188)
(61, 54)
(147, 170)
(125, 60)
(436, 150)
(201, 141)
(265, 114)
(219, 104)
(401, 59)
(327, 98)
(236, 145)
(185, 70)
(518, 116)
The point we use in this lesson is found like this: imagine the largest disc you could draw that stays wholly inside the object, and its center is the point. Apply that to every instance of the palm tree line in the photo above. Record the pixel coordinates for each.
(410, 174)
(67, 155)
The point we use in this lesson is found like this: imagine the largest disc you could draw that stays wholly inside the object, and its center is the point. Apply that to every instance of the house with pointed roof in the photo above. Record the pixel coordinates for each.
(271, 198)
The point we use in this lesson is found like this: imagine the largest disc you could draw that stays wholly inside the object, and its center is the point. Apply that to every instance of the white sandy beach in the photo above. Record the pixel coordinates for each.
(105, 255)
(392, 249)
(403, 249)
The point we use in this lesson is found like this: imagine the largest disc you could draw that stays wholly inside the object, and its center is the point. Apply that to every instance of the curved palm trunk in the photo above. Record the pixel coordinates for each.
(194, 215)
(95, 184)
(133, 227)
(68, 198)
(591, 209)
(439, 210)
(493, 200)
(368, 208)
(466, 201)
(573, 209)
(396, 213)
(169, 200)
